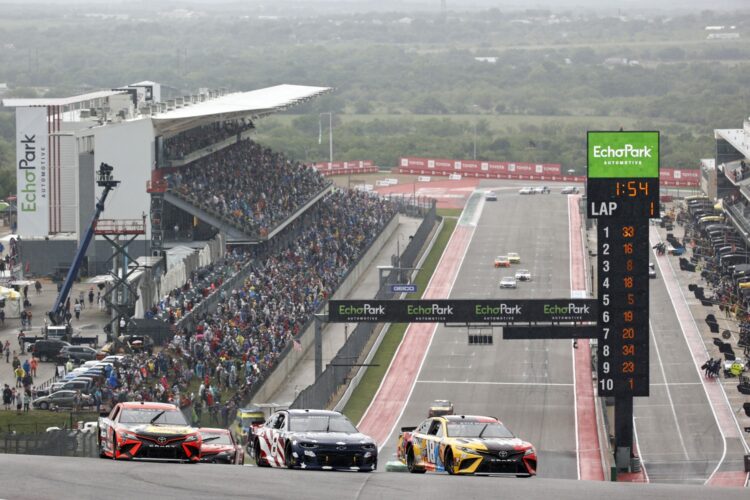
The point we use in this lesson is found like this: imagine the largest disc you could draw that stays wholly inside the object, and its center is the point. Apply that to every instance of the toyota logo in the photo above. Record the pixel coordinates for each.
(161, 440)
(341, 447)
(502, 454)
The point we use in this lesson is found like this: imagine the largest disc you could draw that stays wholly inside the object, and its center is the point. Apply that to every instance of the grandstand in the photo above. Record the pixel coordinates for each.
(148, 140)
(732, 173)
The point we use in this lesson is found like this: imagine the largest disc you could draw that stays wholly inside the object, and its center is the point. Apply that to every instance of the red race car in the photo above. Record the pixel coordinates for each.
(154, 431)
(219, 447)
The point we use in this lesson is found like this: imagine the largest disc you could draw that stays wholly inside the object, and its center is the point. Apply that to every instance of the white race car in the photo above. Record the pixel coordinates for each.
(508, 282)
(526, 190)
(523, 275)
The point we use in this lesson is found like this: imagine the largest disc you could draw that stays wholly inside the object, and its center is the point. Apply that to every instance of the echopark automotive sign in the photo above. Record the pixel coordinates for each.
(463, 311)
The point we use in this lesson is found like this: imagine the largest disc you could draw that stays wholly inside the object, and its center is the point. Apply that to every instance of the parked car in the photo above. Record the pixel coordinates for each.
(48, 350)
(64, 399)
(83, 384)
(78, 353)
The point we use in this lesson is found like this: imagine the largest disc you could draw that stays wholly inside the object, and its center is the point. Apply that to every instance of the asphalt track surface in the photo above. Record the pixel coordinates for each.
(527, 384)
(36, 477)
(677, 434)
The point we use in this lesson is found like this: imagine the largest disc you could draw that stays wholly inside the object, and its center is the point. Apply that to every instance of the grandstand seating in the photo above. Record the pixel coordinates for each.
(247, 186)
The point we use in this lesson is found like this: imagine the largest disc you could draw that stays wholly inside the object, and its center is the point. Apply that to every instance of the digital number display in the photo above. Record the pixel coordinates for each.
(623, 348)
(622, 193)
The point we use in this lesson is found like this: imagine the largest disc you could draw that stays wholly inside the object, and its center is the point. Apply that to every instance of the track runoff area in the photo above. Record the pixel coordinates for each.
(536, 384)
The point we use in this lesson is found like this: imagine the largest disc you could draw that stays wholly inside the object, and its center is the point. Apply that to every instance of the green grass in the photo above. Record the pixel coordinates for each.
(450, 212)
(38, 420)
(365, 391)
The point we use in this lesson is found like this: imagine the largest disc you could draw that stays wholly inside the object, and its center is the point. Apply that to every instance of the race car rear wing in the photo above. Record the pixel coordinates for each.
(408, 429)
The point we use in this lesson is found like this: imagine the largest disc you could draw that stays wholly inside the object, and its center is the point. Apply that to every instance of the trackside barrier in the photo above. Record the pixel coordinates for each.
(60, 443)
(319, 394)
(682, 180)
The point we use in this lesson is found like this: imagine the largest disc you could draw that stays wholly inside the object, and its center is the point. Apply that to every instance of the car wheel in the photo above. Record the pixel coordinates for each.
(256, 451)
(114, 446)
(410, 465)
(101, 449)
(448, 461)
(288, 458)
(44, 405)
(43, 358)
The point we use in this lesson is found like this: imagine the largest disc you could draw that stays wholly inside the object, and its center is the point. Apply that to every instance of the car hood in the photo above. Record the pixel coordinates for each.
(159, 430)
(493, 444)
(332, 438)
(216, 448)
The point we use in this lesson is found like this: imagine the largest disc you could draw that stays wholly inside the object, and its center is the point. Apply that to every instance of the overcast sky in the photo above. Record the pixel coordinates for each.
(666, 5)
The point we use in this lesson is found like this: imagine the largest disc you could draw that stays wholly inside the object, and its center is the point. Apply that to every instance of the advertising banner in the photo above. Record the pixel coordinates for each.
(31, 171)
(463, 311)
(623, 155)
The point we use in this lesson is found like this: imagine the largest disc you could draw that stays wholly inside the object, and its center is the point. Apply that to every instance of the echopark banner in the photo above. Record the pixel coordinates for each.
(523, 171)
(31, 171)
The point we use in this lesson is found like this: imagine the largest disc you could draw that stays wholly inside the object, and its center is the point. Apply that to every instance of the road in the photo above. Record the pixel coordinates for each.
(114, 481)
(527, 384)
(677, 434)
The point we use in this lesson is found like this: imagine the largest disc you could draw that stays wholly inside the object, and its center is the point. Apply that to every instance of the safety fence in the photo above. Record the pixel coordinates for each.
(60, 443)
(339, 371)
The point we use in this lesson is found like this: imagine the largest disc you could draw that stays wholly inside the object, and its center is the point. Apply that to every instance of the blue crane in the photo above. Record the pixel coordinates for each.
(103, 179)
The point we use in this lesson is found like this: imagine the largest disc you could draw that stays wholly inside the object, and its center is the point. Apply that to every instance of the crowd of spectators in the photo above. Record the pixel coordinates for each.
(184, 143)
(201, 283)
(253, 187)
(239, 342)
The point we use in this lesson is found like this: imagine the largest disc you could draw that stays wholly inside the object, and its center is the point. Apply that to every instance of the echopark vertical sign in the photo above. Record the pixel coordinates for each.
(31, 171)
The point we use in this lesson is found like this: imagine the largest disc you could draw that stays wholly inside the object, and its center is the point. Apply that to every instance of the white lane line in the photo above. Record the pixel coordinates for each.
(434, 326)
(541, 384)
(640, 452)
(673, 299)
(573, 343)
(669, 394)
(676, 383)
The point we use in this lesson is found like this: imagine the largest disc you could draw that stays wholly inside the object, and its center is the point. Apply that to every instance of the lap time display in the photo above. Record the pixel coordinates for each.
(622, 193)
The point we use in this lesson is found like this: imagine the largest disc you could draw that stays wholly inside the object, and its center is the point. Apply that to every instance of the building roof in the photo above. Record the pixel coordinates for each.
(738, 138)
(238, 104)
(59, 101)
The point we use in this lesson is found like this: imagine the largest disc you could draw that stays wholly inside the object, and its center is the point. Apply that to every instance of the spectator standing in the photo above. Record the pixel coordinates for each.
(77, 309)
(34, 364)
(26, 401)
(38, 287)
(2, 317)
(81, 299)
(7, 397)
(91, 297)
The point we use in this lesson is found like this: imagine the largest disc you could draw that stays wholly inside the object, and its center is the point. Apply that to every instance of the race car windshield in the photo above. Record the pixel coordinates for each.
(478, 429)
(216, 438)
(144, 416)
(321, 423)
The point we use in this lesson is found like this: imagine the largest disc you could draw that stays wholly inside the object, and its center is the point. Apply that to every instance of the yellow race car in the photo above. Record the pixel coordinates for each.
(465, 444)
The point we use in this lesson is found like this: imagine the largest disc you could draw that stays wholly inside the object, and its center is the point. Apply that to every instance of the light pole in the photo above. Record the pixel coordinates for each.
(330, 132)
(475, 140)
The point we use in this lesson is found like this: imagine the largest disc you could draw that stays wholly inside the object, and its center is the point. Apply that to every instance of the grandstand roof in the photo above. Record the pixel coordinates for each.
(738, 138)
(256, 103)
(59, 101)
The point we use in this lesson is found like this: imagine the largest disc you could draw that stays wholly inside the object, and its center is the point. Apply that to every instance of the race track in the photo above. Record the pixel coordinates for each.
(46, 478)
(527, 384)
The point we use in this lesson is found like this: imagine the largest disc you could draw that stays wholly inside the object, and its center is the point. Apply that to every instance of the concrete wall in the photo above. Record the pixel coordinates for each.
(287, 365)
